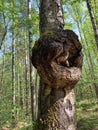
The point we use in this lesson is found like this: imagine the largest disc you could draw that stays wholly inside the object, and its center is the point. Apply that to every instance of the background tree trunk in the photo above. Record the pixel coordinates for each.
(13, 77)
(32, 86)
(93, 20)
(26, 74)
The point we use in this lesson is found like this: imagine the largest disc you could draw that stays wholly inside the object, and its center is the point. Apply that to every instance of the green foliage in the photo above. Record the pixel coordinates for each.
(14, 13)
(87, 114)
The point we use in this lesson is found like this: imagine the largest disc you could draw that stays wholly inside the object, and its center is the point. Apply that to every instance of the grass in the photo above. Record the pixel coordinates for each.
(87, 115)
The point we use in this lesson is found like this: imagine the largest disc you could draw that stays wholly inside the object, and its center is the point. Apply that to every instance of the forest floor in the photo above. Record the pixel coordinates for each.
(87, 117)
(18, 126)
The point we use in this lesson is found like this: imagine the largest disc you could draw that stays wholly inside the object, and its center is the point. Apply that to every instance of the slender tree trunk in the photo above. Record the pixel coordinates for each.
(93, 20)
(13, 76)
(5, 31)
(56, 100)
(21, 92)
(3, 39)
(18, 89)
(93, 75)
(88, 55)
(26, 73)
(91, 67)
(3, 67)
(21, 100)
(2, 73)
(32, 86)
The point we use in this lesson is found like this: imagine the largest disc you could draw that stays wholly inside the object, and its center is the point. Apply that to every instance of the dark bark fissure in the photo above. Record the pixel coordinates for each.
(58, 59)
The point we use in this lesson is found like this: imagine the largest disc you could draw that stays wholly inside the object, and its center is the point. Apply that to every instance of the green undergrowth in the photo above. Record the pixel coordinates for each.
(87, 117)
(87, 114)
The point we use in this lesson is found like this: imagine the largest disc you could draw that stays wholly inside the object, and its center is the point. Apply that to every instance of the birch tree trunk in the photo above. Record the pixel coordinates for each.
(95, 28)
(5, 31)
(91, 67)
(32, 86)
(3, 41)
(58, 59)
(93, 20)
(88, 55)
(13, 76)
(3, 69)
(26, 73)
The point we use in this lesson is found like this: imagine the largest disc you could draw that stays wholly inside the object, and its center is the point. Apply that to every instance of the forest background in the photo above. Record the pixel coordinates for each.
(17, 22)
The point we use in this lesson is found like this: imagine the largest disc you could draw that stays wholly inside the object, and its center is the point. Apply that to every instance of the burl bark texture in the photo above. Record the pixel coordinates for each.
(58, 59)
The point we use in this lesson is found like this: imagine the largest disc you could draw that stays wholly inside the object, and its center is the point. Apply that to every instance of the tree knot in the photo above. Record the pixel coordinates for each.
(58, 58)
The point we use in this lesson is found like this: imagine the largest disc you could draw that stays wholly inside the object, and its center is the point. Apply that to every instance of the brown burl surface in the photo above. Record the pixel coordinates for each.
(58, 58)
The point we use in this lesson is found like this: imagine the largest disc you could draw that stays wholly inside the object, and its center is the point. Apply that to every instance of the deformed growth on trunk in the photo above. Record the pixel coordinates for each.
(58, 58)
